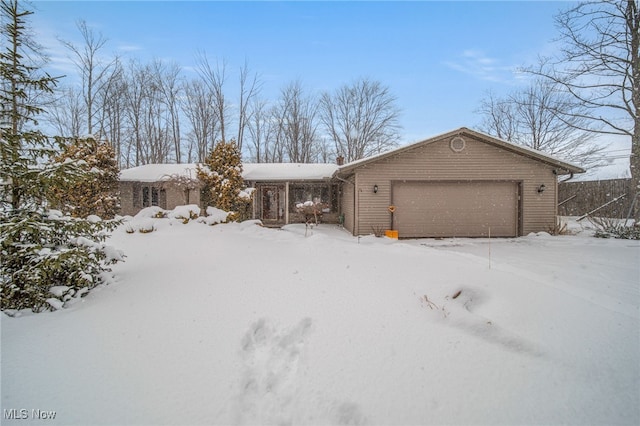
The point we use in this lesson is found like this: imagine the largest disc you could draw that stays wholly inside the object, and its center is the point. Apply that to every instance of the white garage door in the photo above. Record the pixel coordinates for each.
(455, 209)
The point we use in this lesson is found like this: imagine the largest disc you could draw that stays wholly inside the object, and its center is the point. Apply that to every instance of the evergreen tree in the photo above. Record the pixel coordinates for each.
(46, 260)
(96, 194)
(222, 181)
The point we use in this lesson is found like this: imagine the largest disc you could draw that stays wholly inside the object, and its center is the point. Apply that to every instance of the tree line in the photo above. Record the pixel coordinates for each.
(151, 113)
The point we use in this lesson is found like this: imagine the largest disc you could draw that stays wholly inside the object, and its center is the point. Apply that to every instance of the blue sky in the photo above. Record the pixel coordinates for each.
(438, 58)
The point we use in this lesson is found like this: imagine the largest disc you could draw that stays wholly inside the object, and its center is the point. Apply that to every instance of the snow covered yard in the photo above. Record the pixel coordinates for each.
(239, 324)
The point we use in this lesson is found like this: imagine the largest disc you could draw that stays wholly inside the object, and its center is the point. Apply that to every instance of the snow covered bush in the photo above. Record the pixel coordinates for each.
(39, 249)
(614, 228)
(152, 212)
(143, 225)
(214, 216)
(185, 213)
(41, 252)
(222, 182)
(97, 192)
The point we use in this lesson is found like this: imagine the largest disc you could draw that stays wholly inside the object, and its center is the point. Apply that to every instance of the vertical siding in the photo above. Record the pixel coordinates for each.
(437, 161)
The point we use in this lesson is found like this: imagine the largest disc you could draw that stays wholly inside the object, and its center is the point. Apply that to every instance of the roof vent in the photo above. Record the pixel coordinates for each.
(457, 144)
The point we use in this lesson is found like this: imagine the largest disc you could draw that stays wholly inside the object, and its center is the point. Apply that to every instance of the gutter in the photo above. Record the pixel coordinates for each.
(567, 179)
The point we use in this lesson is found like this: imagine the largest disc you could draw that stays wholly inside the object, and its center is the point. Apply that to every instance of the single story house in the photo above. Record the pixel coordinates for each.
(279, 189)
(458, 184)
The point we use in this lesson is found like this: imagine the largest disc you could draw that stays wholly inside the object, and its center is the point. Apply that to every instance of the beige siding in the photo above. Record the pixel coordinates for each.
(126, 199)
(169, 197)
(347, 204)
(177, 197)
(437, 161)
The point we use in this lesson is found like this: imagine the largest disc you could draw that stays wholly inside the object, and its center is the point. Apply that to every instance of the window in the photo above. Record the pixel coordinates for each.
(152, 196)
(316, 193)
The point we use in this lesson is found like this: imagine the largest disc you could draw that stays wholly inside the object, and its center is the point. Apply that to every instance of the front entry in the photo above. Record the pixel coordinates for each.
(272, 204)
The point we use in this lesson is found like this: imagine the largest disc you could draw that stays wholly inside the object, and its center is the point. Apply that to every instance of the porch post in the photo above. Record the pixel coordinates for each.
(286, 203)
(256, 197)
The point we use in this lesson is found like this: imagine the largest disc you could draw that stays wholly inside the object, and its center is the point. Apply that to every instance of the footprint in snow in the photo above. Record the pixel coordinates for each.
(268, 386)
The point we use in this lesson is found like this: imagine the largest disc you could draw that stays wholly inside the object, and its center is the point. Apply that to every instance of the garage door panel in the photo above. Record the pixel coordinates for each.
(455, 209)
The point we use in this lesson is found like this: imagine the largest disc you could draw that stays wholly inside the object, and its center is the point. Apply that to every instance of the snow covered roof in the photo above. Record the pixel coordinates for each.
(563, 166)
(251, 172)
(287, 171)
(158, 172)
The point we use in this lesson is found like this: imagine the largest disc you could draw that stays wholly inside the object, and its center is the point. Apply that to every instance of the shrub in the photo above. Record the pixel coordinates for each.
(614, 228)
(43, 253)
(560, 228)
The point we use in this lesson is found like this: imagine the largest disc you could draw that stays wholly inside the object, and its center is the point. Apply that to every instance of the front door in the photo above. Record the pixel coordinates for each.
(272, 204)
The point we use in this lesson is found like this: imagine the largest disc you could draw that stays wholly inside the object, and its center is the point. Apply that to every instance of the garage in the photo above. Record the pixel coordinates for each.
(455, 209)
(461, 183)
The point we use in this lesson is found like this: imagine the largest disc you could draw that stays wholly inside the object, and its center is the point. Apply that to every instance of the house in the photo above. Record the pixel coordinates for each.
(163, 185)
(279, 189)
(282, 189)
(458, 184)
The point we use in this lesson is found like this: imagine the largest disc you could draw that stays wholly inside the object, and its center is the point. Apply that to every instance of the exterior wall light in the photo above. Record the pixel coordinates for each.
(541, 188)
(375, 189)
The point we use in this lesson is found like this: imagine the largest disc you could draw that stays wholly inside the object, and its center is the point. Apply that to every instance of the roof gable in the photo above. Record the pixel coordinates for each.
(562, 166)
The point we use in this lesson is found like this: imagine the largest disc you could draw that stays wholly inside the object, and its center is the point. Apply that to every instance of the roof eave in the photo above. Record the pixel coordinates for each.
(563, 167)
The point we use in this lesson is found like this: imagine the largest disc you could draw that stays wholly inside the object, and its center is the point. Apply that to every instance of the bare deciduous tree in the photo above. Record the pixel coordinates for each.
(498, 117)
(198, 107)
(136, 79)
(541, 117)
(167, 79)
(599, 66)
(361, 118)
(113, 104)
(249, 88)
(296, 117)
(68, 112)
(92, 67)
(215, 79)
(260, 131)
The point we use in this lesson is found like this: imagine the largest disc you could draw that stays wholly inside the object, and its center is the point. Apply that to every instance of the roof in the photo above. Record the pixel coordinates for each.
(563, 167)
(304, 171)
(250, 172)
(158, 172)
(287, 171)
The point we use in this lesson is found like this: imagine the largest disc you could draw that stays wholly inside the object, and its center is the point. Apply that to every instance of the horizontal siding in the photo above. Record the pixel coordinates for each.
(436, 161)
(347, 204)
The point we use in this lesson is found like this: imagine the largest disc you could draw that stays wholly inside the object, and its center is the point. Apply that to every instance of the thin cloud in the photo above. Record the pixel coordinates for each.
(129, 48)
(483, 67)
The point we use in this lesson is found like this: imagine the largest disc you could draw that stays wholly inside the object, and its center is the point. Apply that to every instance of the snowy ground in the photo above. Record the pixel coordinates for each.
(238, 324)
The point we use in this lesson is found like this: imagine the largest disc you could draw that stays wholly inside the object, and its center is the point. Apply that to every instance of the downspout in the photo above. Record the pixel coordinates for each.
(567, 179)
(354, 200)
(558, 190)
